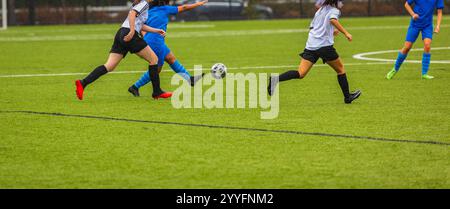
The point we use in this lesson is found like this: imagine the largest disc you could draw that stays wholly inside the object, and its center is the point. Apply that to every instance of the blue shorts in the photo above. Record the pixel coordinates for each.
(161, 50)
(413, 33)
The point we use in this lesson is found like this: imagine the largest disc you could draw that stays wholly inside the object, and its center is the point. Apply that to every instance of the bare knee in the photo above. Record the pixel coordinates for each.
(407, 48)
(153, 60)
(301, 75)
(340, 70)
(170, 58)
(110, 66)
(427, 48)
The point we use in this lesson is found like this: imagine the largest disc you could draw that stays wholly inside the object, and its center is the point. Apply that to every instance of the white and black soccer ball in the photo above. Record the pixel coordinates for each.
(219, 71)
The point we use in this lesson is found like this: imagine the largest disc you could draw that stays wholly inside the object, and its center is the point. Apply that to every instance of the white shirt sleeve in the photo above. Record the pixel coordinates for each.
(335, 14)
(141, 7)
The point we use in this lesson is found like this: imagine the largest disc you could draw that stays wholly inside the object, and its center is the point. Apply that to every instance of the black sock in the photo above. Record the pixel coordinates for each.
(95, 74)
(342, 79)
(289, 75)
(154, 77)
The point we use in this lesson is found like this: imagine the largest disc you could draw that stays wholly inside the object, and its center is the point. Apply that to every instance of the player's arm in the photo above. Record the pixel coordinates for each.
(148, 29)
(188, 7)
(439, 21)
(411, 12)
(341, 29)
(132, 19)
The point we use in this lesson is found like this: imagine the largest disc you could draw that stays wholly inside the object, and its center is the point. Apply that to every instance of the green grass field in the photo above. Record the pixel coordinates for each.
(57, 151)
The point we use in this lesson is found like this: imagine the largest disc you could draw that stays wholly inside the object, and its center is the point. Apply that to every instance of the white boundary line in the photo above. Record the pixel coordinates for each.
(188, 34)
(363, 56)
(137, 72)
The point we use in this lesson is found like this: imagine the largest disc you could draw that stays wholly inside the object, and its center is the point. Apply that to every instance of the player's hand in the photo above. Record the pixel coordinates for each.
(161, 32)
(437, 29)
(336, 32)
(415, 16)
(128, 37)
(203, 2)
(349, 37)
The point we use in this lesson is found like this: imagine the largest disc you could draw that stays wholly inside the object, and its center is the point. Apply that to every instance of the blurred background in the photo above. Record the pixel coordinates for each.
(45, 12)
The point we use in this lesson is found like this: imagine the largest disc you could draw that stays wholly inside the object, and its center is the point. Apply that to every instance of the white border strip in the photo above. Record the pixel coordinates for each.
(187, 34)
(363, 56)
(137, 72)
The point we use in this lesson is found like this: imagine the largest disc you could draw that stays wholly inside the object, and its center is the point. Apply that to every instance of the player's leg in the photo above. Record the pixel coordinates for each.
(145, 78)
(411, 38)
(178, 68)
(338, 66)
(426, 59)
(427, 36)
(113, 60)
(303, 69)
(150, 56)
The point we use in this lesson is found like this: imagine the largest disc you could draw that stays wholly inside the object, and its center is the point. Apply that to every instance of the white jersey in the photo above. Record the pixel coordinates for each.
(142, 14)
(321, 32)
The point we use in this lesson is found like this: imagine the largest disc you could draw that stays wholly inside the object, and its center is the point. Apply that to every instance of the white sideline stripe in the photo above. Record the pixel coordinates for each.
(363, 56)
(187, 34)
(137, 72)
(170, 26)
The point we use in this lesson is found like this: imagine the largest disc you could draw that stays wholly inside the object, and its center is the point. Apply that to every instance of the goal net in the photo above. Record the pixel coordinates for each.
(3, 15)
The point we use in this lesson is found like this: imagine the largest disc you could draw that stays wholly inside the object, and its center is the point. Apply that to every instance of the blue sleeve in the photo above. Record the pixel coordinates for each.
(440, 4)
(171, 10)
(411, 2)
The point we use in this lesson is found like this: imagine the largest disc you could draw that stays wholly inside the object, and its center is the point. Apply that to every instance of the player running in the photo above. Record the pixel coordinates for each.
(324, 27)
(128, 40)
(421, 22)
(158, 17)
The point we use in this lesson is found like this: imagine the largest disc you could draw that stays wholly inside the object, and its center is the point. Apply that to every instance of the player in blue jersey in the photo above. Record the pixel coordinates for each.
(421, 22)
(158, 17)
(127, 41)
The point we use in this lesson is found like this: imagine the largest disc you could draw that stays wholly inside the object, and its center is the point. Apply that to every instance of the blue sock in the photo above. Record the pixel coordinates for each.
(400, 59)
(143, 80)
(179, 69)
(426, 59)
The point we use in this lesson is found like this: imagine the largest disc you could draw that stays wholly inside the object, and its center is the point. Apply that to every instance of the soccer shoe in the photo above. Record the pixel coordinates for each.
(427, 77)
(195, 79)
(391, 74)
(134, 91)
(273, 82)
(80, 89)
(163, 95)
(353, 96)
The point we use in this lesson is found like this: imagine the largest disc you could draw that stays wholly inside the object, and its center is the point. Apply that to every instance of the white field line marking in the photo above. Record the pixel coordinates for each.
(363, 56)
(137, 72)
(109, 29)
(186, 34)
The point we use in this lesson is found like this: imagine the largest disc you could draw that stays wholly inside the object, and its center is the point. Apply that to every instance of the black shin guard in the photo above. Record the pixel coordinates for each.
(289, 75)
(94, 75)
(154, 77)
(342, 79)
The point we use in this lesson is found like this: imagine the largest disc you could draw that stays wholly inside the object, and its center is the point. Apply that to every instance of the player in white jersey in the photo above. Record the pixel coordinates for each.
(127, 39)
(324, 27)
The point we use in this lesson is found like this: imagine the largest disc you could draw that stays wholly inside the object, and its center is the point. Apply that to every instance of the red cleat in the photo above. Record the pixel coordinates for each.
(80, 89)
(164, 95)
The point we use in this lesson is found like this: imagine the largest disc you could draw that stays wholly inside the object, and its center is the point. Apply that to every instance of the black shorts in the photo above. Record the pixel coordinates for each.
(327, 54)
(121, 47)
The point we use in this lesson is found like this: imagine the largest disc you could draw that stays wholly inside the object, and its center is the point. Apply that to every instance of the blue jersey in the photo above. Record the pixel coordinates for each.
(425, 10)
(158, 17)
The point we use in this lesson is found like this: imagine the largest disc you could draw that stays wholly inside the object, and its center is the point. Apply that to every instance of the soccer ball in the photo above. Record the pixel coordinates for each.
(219, 71)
